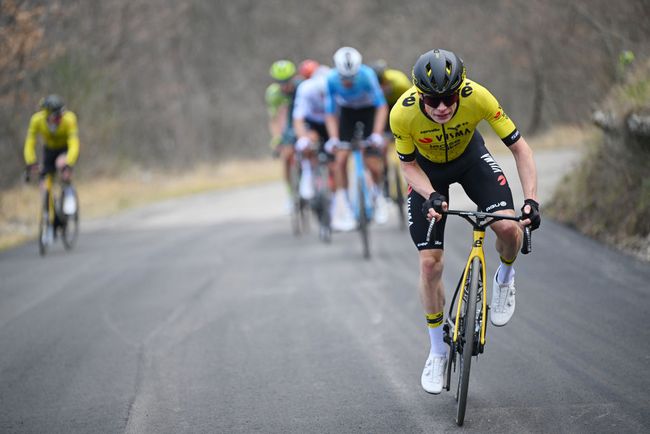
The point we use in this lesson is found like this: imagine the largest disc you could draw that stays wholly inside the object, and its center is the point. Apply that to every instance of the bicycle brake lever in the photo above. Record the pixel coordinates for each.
(527, 245)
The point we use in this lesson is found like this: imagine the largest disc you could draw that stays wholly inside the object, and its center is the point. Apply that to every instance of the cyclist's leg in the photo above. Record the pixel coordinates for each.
(431, 290)
(486, 184)
(60, 163)
(48, 166)
(342, 215)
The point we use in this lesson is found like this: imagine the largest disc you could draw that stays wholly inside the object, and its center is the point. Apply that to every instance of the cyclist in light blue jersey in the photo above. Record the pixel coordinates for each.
(354, 95)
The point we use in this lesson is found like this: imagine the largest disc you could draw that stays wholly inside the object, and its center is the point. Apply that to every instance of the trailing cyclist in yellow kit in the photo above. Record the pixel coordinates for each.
(441, 143)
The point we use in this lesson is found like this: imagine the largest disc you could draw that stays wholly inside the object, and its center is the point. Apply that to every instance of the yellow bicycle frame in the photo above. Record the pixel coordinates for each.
(49, 182)
(477, 252)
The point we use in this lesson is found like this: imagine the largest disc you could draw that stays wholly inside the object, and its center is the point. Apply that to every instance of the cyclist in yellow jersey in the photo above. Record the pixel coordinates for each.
(392, 81)
(58, 129)
(434, 124)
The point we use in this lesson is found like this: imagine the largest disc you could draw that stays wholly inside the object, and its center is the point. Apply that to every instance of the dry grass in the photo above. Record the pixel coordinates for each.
(558, 137)
(101, 197)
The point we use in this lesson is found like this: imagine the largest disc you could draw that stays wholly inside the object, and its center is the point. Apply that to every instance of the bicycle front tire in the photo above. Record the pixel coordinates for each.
(469, 323)
(70, 229)
(363, 221)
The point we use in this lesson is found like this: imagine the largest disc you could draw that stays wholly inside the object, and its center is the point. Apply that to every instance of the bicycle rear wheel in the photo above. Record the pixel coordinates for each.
(296, 205)
(399, 197)
(363, 221)
(469, 327)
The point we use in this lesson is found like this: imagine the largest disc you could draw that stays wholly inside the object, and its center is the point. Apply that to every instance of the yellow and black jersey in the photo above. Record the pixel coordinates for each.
(394, 83)
(66, 135)
(413, 128)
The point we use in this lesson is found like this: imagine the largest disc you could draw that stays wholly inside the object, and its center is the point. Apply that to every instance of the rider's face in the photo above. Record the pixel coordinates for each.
(440, 112)
(54, 120)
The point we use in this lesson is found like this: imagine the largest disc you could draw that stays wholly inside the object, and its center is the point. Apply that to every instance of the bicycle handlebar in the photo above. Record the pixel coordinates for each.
(480, 222)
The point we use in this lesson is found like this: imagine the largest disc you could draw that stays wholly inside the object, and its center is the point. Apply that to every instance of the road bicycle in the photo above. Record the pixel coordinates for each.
(465, 328)
(362, 201)
(59, 215)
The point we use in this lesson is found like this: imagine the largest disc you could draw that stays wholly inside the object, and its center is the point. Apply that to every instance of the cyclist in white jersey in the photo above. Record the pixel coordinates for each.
(354, 95)
(309, 125)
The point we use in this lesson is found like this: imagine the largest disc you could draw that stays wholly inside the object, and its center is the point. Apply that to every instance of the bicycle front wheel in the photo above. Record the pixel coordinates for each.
(70, 223)
(469, 329)
(363, 221)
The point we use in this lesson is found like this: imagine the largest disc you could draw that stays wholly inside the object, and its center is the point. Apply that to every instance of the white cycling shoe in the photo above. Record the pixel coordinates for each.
(433, 374)
(343, 220)
(502, 306)
(381, 210)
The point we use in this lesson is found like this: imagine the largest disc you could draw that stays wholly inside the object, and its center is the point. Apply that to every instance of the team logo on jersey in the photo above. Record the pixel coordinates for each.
(497, 115)
(466, 91)
(502, 180)
(409, 100)
(425, 140)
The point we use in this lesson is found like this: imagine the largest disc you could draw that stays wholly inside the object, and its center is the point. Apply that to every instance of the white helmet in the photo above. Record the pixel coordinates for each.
(347, 61)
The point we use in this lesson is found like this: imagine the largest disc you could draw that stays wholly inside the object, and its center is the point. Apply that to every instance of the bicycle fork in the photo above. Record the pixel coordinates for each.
(477, 252)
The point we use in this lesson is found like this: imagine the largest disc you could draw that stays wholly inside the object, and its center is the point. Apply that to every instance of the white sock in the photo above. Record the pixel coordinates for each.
(305, 165)
(438, 346)
(506, 273)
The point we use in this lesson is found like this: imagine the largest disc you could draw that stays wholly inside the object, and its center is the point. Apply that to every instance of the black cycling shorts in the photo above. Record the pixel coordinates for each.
(49, 159)
(348, 119)
(320, 129)
(479, 175)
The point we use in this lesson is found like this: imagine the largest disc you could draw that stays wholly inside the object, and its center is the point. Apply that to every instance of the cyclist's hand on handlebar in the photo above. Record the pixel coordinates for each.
(376, 139)
(30, 169)
(302, 143)
(331, 144)
(66, 173)
(530, 214)
(433, 207)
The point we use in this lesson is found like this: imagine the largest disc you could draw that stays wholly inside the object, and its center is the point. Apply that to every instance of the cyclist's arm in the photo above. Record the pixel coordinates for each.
(525, 167)
(332, 125)
(331, 119)
(73, 140)
(381, 114)
(300, 127)
(278, 120)
(416, 178)
(29, 151)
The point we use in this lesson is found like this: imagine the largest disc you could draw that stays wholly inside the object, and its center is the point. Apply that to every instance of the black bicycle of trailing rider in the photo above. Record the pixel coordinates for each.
(59, 214)
(321, 203)
(299, 206)
(466, 324)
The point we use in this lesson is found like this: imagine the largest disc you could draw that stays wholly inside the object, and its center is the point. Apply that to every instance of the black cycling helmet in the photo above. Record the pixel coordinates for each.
(438, 72)
(53, 104)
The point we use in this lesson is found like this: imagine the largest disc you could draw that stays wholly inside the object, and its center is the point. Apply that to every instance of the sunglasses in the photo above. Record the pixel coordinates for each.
(434, 100)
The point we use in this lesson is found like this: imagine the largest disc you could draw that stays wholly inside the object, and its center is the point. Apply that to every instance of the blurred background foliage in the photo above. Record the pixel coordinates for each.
(169, 83)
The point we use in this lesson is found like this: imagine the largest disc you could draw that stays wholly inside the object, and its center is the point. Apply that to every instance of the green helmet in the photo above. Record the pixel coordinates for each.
(282, 70)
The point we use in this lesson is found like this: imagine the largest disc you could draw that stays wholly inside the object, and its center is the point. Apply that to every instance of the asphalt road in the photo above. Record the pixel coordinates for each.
(205, 315)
